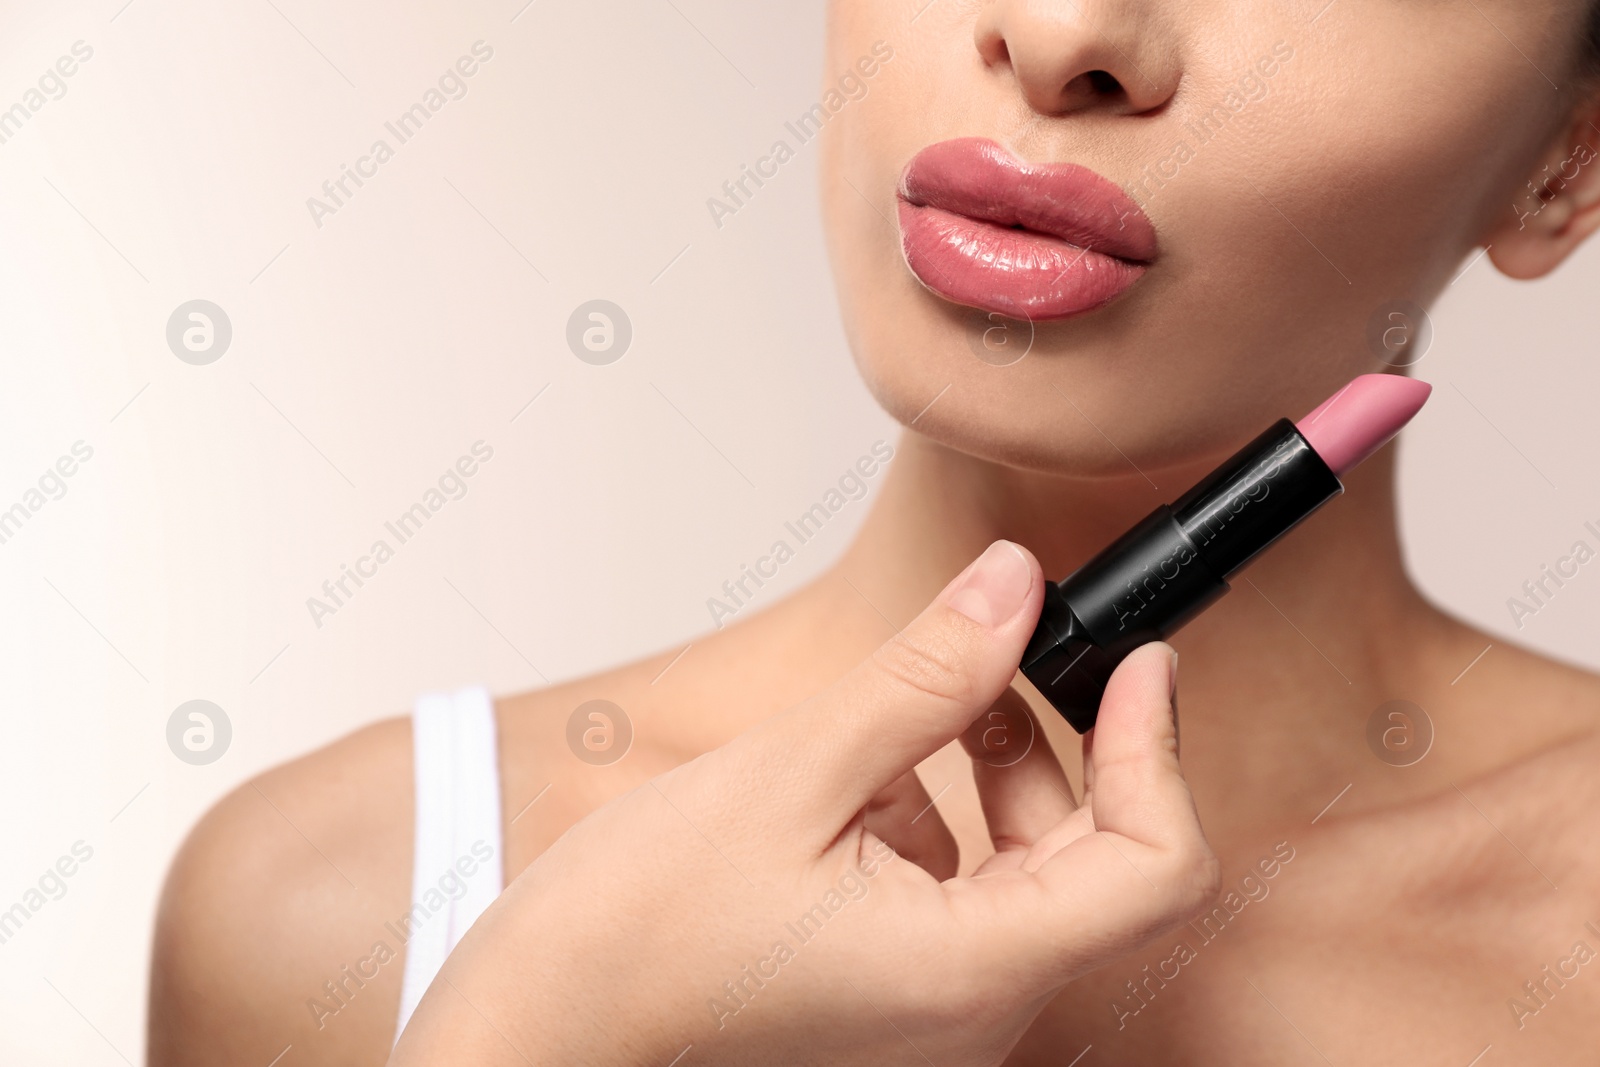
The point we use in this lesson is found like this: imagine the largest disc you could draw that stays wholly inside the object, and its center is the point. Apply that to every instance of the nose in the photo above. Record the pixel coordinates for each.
(1071, 56)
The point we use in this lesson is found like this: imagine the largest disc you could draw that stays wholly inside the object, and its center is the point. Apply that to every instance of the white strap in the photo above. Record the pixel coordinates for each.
(456, 869)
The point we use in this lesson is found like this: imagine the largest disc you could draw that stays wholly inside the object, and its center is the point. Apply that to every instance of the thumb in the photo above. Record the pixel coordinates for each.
(919, 690)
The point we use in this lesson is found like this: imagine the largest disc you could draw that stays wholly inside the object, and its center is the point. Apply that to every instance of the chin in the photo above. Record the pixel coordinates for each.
(1076, 404)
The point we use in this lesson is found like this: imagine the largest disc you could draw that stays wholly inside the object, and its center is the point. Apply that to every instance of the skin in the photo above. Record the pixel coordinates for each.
(1397, 140)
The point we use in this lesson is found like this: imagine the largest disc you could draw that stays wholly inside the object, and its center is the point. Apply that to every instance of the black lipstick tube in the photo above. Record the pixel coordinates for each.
(1170, 567)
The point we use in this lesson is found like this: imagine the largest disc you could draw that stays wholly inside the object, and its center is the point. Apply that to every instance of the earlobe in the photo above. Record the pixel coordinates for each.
(1556, 209)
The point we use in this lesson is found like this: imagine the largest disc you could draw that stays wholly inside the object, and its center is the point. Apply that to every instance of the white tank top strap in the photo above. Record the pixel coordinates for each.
(456, 871)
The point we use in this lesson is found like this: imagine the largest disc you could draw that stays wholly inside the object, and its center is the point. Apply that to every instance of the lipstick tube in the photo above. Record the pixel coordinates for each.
(1170, 567)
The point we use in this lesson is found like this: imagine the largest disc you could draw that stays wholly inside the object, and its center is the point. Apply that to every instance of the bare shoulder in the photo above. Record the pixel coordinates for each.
(274, 906)
(1507, 808)
(1550, 798)
(276, 926)
(281, 923)
(1519, 733)
(1547, 715)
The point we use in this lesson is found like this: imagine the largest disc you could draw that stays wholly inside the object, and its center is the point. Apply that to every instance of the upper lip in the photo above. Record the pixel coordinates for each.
(975, 177)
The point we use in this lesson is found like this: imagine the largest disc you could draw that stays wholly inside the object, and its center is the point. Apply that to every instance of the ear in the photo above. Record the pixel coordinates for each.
(1558, 207)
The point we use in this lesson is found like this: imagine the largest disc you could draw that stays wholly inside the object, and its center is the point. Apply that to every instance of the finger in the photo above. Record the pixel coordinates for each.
(1097, 893)
(904, 816)
(1130, 700)
(1023, 790)
(912, 696)
(1138, 788)
(1087, 756)
(1088, 748)
(1147, 864)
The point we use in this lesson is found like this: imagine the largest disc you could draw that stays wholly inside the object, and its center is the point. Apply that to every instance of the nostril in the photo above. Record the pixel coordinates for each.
(1093, 88)
(1103, 83)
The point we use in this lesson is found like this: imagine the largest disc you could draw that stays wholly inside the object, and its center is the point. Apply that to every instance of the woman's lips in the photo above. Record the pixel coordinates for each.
(1025, 240)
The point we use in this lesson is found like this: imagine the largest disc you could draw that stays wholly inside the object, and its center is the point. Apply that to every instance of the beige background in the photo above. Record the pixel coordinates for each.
(371, 352)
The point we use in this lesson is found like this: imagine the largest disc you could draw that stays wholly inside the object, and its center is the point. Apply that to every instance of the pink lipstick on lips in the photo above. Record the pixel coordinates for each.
(1031, 241)
(1177, 562)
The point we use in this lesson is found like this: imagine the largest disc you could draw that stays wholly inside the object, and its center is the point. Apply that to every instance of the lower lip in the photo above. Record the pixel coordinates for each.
(1020, 274)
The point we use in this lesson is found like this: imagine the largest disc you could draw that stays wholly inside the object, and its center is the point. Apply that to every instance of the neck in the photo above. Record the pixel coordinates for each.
(1277, 680)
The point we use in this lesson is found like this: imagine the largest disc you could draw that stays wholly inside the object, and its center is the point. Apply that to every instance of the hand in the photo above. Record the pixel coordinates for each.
(739, 905)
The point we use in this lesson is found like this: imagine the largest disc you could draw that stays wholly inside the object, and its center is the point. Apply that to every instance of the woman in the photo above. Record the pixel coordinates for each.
(1301, 169)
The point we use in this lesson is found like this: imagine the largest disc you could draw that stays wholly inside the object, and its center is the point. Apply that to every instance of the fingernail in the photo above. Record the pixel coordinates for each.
(1172, 696)
(991, 591)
